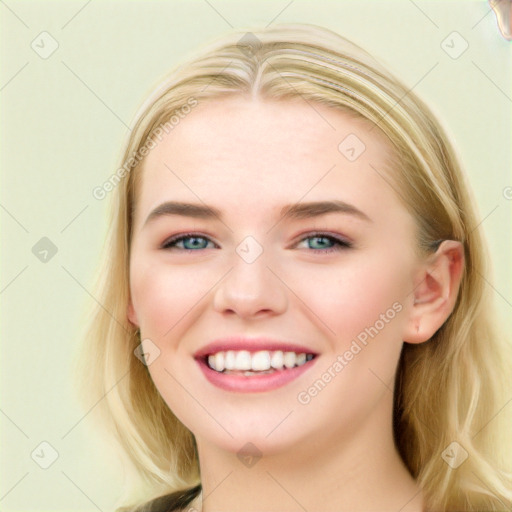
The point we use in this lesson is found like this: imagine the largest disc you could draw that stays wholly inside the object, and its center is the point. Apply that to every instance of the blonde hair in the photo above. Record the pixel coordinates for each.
(449, 389)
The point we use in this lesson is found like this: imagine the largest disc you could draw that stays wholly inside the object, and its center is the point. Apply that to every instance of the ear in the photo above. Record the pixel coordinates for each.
(131, 314)
(436, 291)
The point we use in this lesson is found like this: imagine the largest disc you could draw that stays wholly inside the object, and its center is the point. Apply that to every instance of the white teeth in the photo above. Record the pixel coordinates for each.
(264, 361)
(219, 361)
(277, 360)
(243, 360)
(260, 361)
(229, 360)
(289, 359)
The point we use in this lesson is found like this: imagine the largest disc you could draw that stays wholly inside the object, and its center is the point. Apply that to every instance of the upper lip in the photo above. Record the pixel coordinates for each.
(252, 345)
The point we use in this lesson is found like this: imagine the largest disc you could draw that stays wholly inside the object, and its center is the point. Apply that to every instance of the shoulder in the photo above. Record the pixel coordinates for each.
(174, 502)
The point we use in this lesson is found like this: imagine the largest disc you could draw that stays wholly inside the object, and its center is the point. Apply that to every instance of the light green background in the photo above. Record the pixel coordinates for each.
(63, 121)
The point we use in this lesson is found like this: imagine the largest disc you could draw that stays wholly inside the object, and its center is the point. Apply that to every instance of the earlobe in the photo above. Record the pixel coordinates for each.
(131, 314)
(436, 292)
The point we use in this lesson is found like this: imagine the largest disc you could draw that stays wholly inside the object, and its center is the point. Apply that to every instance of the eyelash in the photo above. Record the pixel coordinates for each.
(340, 244)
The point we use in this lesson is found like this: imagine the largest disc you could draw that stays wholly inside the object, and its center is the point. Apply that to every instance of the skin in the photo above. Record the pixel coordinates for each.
(250, 157)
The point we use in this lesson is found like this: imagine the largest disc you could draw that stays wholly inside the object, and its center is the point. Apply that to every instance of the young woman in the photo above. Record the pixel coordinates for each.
(292, 309)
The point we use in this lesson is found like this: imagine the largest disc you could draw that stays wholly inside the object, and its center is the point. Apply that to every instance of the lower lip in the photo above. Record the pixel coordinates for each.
(255, 383)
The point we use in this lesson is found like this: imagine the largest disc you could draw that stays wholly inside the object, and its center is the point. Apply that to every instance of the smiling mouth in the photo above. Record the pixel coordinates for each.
(262, 362)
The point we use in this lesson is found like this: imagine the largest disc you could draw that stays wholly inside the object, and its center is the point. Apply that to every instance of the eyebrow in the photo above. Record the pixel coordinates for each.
(296, 211)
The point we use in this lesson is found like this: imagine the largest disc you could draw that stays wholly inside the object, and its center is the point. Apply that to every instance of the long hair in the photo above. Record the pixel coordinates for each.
(448, 390)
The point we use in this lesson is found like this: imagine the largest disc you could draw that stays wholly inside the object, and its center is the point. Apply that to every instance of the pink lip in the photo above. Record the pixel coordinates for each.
(258, 383)
(252, 345)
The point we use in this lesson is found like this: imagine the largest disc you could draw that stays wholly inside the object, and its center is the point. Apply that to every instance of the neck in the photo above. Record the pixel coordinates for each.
(356, 471)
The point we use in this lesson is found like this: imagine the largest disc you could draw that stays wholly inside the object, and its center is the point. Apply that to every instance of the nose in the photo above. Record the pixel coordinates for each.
(251, 289)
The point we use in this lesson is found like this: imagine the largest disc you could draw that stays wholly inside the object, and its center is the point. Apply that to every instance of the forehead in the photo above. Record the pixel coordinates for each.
(247, 152)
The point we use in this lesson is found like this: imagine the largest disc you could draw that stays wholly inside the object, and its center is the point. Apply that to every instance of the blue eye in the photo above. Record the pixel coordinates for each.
(172, 242)
(338, 243)
(198, 242)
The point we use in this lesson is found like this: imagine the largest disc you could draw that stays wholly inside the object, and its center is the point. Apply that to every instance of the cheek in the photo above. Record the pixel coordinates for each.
(361, 303)
(163, 295)
(353, 295)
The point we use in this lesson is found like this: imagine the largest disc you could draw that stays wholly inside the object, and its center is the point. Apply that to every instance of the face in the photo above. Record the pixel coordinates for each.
(338, 283)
